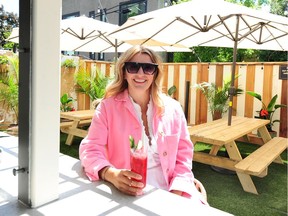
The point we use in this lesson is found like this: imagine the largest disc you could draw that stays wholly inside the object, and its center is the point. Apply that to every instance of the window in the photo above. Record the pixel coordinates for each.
(103, 16)
(131, 8)
(92, 14)
(67, 16)
(101, 56)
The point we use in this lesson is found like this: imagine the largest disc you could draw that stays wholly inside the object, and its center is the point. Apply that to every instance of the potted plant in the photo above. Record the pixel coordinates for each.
(217, 97)
(267, 111)
(94, 87)
(66, 103)
(68, 68)
(69, 63)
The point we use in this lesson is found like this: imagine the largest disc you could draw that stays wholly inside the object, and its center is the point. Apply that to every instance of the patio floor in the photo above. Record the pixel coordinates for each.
(69, 182)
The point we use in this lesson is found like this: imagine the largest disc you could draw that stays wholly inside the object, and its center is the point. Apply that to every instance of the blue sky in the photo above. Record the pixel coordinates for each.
(10, 5)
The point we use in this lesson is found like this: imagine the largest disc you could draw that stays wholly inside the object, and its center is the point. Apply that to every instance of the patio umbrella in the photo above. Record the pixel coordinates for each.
(213, 23)
(85, 34)
(14, 36)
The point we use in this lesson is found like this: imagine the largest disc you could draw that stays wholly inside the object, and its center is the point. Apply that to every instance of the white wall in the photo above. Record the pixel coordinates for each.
(44, 151)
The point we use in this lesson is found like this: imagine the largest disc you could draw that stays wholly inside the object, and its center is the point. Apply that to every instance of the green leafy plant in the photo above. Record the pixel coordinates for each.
(217, 96)
(172, 90)
(4, 59)
(267, 111)
(66, 103)
(94, 87)
(69, 63)
(9, 86)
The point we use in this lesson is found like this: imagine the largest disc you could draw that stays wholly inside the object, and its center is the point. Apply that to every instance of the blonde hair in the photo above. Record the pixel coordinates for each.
(119, 84)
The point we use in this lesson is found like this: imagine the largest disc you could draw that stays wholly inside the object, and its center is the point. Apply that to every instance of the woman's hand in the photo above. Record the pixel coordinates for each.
(125, 181)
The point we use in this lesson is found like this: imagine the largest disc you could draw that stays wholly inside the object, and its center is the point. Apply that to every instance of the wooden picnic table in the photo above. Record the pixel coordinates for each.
(218, 134)
(75, 120)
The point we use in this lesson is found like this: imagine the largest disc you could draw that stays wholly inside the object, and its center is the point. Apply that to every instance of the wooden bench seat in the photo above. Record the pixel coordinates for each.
(257, 162)
(69, 123)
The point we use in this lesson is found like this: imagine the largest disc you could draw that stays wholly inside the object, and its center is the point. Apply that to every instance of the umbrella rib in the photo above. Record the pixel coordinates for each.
(199, 27)
(273, 37)
(227, 28)
(149, 38)
(248, 26)
(190, 24)
(263, 24)
(126, 27)
(87, 42)
(73, 33)
(203, 29)
(106, 39)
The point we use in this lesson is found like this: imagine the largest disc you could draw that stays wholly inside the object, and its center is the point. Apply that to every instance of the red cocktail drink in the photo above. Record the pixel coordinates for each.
(138, 160)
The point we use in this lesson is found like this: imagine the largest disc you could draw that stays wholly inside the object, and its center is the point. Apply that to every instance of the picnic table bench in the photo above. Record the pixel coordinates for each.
(258, 161)
(218, 134)
(74, 125)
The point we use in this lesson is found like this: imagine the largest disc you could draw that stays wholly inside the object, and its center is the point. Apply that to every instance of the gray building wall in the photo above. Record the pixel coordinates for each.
(94, 7)
(84, 7)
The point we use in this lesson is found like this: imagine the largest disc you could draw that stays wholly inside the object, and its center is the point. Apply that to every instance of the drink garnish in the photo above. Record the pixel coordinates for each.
(133, 145)
(132, 142)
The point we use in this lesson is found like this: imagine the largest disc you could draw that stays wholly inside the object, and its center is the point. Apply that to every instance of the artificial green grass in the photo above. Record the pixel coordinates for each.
(71, 150)
(225, 191)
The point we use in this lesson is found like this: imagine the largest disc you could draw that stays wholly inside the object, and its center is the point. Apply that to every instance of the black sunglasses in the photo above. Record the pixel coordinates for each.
(148, 68)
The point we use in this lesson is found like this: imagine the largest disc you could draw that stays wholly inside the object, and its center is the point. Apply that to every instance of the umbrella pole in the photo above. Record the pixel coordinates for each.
(232, 87)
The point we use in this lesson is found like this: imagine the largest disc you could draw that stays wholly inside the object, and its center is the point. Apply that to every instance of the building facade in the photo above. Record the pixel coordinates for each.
(111, 11)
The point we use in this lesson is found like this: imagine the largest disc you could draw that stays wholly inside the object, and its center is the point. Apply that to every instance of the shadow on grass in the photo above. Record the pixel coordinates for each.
(225, 191)
(71, 150)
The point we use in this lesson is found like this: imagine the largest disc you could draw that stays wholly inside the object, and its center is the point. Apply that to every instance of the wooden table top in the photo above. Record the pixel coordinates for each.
(78, 115)
(219, 133)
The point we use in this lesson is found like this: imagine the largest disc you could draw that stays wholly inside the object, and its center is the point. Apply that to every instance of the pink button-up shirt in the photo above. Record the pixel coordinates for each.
(107, 142)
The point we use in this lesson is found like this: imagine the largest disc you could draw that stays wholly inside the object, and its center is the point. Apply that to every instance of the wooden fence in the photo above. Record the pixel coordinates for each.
(262, 78)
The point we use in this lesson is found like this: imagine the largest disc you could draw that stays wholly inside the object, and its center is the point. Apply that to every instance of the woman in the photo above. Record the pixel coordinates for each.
(134, 103)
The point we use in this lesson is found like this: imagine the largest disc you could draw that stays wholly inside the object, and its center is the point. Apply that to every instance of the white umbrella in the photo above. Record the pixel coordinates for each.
(14, 36)
(214, 23)
(85, 34)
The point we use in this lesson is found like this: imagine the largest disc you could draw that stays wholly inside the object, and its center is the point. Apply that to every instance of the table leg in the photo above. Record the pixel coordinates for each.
(247, 183)
(214, 150)
(245, 179)
(70, 137)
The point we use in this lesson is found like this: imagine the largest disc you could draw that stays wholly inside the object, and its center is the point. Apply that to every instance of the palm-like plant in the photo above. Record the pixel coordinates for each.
(9, 87)
(92, 86)
(217, 96)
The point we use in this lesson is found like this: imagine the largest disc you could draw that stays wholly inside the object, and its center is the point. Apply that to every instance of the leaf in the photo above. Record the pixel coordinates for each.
(279, 106)
(132, 142)
(272, 103)
(64, 98)
(172, 90)
(256, 95)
